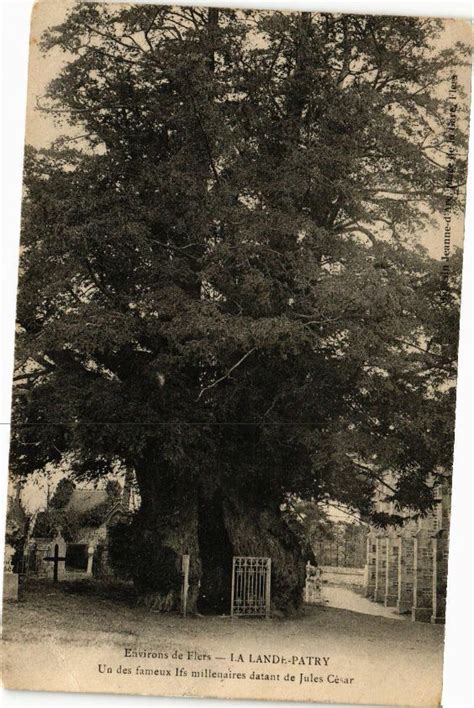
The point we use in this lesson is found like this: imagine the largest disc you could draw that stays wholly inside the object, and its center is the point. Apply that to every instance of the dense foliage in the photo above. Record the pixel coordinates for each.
(58, 518)
(221, 285)
(132, 558)
(62, 493)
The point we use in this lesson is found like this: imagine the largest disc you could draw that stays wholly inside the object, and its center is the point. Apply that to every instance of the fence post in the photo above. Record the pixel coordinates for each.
(185, 587)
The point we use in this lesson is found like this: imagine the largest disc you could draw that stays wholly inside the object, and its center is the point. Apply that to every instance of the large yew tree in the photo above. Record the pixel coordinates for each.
(221, 285)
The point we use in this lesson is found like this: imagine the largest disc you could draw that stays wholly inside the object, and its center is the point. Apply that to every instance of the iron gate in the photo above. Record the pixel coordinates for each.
(251, 583)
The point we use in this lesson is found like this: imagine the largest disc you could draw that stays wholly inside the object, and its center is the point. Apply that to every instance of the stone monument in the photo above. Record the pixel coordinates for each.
(10, 578)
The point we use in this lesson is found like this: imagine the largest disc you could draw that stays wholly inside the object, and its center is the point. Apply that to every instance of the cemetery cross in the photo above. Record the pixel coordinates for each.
(56, 558)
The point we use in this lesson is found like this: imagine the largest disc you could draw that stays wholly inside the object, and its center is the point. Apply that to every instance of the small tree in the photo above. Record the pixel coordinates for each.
(62, 494)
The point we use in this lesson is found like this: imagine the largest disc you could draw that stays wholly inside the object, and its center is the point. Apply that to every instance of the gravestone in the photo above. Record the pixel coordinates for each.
(41, 550)
(90, 559)
(10, 579)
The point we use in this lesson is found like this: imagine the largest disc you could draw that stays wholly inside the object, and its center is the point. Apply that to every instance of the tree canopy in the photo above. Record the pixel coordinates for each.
(221, 275)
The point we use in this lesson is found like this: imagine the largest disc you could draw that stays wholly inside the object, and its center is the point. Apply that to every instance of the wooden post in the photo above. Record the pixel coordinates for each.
(306, 582)
(185, 587)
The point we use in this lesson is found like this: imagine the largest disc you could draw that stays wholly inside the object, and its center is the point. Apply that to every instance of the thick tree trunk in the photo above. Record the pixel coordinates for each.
(165, 529)
(258, 531)
(211, 527)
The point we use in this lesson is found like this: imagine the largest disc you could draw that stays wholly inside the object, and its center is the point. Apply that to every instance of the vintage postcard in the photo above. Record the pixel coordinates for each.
(236, 350)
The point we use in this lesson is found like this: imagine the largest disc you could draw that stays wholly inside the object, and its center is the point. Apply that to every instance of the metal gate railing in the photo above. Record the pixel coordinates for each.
(251, 585)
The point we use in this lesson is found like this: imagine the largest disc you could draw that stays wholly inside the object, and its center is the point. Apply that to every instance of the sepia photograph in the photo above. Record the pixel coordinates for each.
(236, 352)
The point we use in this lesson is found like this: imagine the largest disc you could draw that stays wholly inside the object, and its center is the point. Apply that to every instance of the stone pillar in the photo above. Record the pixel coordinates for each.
(440, 576)
(440, 553)
(445, 508)
(380, 568)
(42, 551)
(422, 608)
(405, 574)
(62, 546)
(370, 565)
(391, 575)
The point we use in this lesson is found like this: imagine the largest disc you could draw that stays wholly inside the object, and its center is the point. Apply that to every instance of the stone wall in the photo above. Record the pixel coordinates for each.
(406, 567)
(350, 577)
(40, 554)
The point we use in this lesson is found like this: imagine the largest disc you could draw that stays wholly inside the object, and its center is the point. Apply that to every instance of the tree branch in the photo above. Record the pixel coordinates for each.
(226, 376)
(369, 472)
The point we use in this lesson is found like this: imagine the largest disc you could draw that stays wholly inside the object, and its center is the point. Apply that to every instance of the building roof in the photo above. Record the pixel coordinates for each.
(83, 500)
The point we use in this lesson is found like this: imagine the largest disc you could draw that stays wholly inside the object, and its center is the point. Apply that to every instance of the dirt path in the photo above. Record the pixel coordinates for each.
(346, 599)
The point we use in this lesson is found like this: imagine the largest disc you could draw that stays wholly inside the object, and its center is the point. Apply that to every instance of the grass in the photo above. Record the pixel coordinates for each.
(88, 612)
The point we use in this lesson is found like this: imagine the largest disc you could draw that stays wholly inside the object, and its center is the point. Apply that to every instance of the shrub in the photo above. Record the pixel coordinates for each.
(142, 557)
